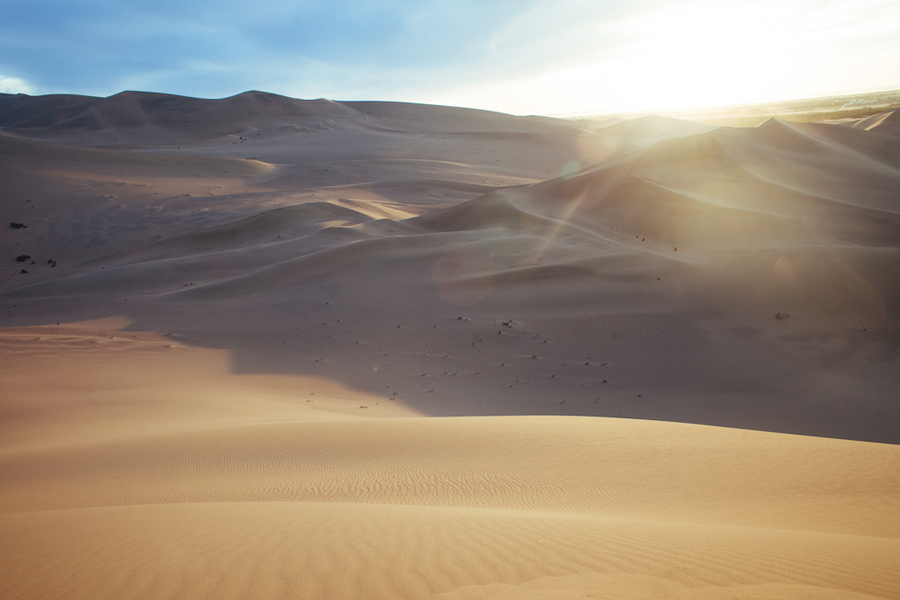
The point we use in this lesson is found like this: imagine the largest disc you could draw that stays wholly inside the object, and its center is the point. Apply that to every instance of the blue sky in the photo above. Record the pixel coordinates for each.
(523, 57)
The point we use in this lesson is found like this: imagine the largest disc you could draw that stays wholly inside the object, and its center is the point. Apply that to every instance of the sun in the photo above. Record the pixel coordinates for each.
(716, 52)
(693, 55)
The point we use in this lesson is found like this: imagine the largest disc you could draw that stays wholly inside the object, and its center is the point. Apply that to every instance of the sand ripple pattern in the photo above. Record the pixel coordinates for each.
(591, 466)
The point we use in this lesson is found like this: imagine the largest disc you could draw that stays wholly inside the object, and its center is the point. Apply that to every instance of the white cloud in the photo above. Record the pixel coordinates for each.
(15, 85)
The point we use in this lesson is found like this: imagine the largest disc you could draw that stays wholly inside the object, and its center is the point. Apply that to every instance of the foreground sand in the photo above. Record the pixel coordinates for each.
(230, 486)
(221, 485)
(386, 351)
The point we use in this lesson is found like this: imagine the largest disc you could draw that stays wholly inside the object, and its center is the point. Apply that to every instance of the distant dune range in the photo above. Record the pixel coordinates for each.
(667, 354)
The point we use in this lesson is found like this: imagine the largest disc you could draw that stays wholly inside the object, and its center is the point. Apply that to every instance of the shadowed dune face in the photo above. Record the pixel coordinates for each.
(441, 254)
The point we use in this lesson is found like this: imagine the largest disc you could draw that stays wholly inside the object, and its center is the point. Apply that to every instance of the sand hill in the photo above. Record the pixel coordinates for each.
(665, 355)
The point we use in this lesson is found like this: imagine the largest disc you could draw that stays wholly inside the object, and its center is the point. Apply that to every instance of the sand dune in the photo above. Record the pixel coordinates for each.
(665, 355)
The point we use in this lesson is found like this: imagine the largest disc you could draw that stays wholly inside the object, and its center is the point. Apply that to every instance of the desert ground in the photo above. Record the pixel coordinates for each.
(261, 347)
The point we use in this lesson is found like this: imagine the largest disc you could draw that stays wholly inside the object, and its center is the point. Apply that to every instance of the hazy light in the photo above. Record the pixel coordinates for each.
(713, 53)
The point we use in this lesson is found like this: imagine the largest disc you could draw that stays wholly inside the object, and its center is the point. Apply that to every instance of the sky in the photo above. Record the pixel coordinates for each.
(550, 57)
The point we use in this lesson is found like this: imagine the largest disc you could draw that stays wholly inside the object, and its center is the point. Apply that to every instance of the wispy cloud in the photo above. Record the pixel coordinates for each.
(15, 85)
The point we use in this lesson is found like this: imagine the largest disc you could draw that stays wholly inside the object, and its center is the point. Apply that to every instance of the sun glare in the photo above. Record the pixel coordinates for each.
(699, 55)
(690, 55)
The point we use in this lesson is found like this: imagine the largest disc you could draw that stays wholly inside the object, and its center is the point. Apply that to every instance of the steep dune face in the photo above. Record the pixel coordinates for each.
(225, 325)
(887, 122)
(815, 196)
(800, 171)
